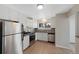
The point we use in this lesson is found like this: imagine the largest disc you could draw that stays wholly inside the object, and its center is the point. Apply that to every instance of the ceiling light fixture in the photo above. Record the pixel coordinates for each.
(40, 6)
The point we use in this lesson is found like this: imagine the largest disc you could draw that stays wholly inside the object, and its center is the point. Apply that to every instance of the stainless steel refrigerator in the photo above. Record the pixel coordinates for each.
(11, 37)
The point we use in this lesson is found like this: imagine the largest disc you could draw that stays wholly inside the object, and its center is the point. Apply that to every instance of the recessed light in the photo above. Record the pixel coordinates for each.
(40, 6)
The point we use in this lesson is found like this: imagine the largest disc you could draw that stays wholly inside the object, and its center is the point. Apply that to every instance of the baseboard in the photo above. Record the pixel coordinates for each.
(42, 41)
(77, 36)
(26, 48)
(72, 42)
(60, 46)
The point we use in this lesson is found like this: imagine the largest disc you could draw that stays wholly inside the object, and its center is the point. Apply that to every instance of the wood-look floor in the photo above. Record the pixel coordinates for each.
(40, 47)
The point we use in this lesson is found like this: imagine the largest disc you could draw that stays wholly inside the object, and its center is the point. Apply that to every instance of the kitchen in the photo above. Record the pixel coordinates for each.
(35, 27)
(42, 30)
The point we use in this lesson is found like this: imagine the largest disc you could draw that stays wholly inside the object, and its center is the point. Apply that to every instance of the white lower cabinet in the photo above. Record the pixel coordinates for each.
(26, 42)
(41, 36)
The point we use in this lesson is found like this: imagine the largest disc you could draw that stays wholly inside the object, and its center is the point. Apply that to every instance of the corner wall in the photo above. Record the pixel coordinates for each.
(65, 30)
(62, 31)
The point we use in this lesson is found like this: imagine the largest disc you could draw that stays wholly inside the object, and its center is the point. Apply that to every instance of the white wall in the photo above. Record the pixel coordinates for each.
(76, 21)
(65, 30)
(77, 24)
(72, 19)
(75, 10)
(62, 31)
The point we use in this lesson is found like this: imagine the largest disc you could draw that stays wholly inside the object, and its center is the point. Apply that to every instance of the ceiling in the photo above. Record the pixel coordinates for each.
(49, 10)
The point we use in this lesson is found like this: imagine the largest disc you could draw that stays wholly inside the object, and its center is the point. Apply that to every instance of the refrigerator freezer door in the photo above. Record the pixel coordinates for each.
(10, 28)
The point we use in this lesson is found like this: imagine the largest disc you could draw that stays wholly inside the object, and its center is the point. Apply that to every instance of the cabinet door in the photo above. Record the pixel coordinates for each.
(26, 42)
(38, 36)
(44, 36)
